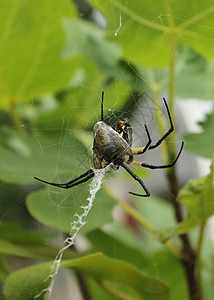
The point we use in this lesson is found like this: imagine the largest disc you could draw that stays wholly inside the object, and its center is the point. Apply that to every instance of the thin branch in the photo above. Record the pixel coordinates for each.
(83, 286)
(188, 254)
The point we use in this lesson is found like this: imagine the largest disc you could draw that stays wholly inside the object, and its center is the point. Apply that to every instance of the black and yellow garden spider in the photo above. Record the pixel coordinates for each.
(114, 147)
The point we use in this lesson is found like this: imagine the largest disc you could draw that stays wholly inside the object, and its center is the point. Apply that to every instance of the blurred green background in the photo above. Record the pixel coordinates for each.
(56, 57)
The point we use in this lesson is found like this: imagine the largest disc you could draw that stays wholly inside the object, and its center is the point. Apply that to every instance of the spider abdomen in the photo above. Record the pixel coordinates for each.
(109, 147)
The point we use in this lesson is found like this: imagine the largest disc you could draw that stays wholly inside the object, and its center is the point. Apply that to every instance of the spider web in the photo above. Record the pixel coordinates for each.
(140, 112)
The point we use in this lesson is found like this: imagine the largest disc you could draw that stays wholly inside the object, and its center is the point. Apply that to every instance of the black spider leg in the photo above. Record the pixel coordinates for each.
(166, 134)
(138, 180)
(102, 105)
(164, 166)
(88, 175)
(149, 140)
(134, 175)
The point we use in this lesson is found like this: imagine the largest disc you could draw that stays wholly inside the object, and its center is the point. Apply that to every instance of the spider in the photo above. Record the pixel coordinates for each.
(113, 146)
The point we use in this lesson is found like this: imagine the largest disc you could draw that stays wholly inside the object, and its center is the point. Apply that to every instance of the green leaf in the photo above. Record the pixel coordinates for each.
(28, 282)
(86, 38)
(164, 265)
(12, 206)
(160, 215)
(150, 262)
(96, 291)
(80, 108)
(24, 156)
(149, 29)
(207, 279)
(3, 276)
(198, 197)
(13, 232)
(194, 75)
(202, 143)
(45, 157)
(32, 41)
(208, 267)
(56, 207)
(157, 211)
(113, 247)
(39, 252)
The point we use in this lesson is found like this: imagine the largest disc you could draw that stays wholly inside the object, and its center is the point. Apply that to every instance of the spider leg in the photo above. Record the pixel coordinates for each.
(141, 164)
(89, 174)
(137, 151)
(168, 132)
(138, 180)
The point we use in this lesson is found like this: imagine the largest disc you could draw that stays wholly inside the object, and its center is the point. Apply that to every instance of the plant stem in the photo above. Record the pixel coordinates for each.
(188, 255)
(161, 128)
(83, 286)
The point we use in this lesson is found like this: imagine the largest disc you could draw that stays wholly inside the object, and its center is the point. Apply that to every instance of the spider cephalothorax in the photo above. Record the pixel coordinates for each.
(124, 129)
(114, 147)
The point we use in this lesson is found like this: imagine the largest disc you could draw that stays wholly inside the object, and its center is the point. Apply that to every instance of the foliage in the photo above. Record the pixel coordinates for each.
(54, 63)
(204, 140)
(96, 265)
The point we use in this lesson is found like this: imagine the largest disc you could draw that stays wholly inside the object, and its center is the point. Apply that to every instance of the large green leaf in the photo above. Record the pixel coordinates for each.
(202, 143)
(118, 276)
(86, 38)
(152, 263)
(96, 291)
(28, 244)
(80, 107)
(198, 197)
(39, 252)
(194, 73)
(56, 207)
(13, 232)
(193, 76)
(149, 28)
(111, 246)
(32, 41)
(25, 155)
(52, 158)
